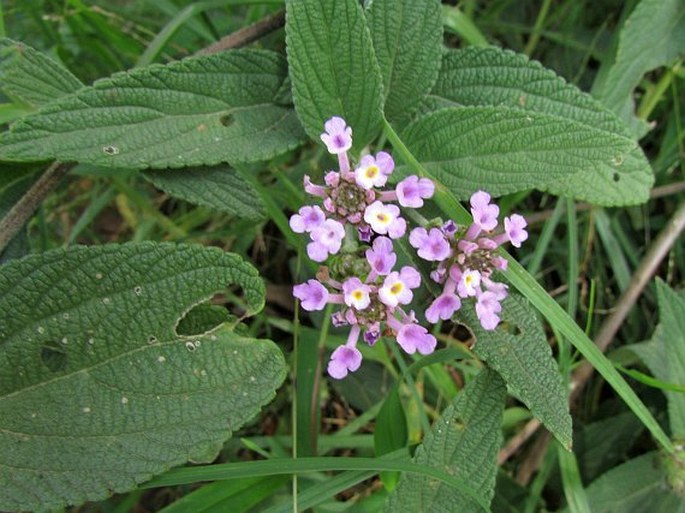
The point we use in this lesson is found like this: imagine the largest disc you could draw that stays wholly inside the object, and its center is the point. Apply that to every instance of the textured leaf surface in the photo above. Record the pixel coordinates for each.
(519, 351)
(634, 487)
(490, 76)
(652, 36)
(407, 38)
(199, 111)
(97, 390)
(464, 443)
(220, 188)
(504, 150)
(665, 353)
(32, 77)
(333, 67)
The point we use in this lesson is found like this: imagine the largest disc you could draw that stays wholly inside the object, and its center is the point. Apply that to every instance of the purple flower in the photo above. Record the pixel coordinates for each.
(372, 335)
(338, 136)
(499, 289)
(381, 256)
(397, 287)
(356, 293)
(443, 307)
(374, 172)
(414, 337)
(338, 320)
(431, 246)
(413, 190)
(307, 219)
(326, 238)
(313, 295)
(484, 214)
(514, 227)
(343, 360)
(487, 309)
(385, 219)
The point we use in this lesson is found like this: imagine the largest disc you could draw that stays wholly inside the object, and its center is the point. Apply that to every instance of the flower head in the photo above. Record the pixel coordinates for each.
(308, 218)
(385, 219)
(514, 227)
(443, 307)
(414, 337)
(484, 214)
(381, 256)
(487, 308)
(397, 287)
(343, 360)
(356, 293)
(326, 239)
(431, 245)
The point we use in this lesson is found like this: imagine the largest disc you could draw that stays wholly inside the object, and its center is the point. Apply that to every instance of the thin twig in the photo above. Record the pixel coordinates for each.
(518, 440)
(22, 211)
(246, 35)
(642, 275)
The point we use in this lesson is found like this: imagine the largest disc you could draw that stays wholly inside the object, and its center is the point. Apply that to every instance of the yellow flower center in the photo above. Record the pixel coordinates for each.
(382, 218)
(371, 172)
(358, 295)
(396, 288)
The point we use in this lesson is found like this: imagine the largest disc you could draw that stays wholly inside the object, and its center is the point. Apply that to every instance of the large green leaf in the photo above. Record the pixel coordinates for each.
(407, 38)
(490, 76)
(32, 77)
(97, 390)
(634, 487)
(519, 351)
(199, 111)
(652, 36)
(333, 67)
(504, 150)
(665, 353)
(220, 188)
(463, 443)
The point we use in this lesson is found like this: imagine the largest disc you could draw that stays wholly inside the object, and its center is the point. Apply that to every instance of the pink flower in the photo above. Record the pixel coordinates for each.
(469, 284)
(514, 227)
(413, 190)
(484, 214)
(356, 293)
(414, 337)
(397, 287)
(487, 308)
(381, 256)
(443, 307)
(385, 219)
(343, 360)
(307, 219)
(337, 136)
(374, 172)
(431, 246)
(326, 239)
(312, 295)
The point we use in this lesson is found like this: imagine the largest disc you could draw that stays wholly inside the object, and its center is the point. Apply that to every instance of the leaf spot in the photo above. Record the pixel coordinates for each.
(124, 400)
(110, 150)
(190, 346)
(151, 339)
(161, 359)
(138, 290)
(106, 300)
(86, 410)
(616, 177)
(53, 356)
(226, 120)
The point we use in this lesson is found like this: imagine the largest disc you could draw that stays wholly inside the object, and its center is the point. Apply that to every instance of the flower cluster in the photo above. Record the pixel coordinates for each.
(356, 227)
(352, 197)
(466, 260)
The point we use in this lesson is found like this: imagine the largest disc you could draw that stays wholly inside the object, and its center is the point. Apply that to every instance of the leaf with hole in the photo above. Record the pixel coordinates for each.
(195, 112)
(464, 443)
(501, 78)
(504, 149)
(98, 391)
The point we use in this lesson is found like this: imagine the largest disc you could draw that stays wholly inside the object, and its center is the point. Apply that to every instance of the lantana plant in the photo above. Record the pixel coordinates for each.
(358, 210)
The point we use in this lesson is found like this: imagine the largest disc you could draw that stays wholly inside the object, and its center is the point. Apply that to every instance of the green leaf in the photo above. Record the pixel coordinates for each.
(665, 354)
(464, 443)
(634, 487)
(519, 351)
(221, 188)
(407, 38)
(97, 390)
(333, 67)
(195, 112)
(390, 432)
(32, 77)
(652, 36)
(504, 150)
(490, 76)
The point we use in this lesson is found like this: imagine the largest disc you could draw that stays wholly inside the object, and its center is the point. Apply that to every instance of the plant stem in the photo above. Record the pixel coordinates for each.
(537, 28)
